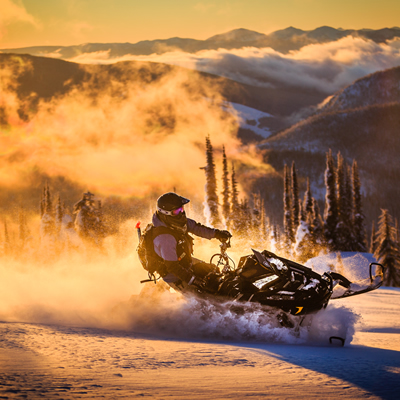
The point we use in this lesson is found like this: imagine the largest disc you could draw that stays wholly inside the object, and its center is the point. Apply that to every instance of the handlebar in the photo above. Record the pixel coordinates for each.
(224, 260)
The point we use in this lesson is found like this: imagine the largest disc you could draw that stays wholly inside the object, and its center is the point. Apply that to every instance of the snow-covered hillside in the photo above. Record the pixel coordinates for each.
(382, 87)
(250, 118)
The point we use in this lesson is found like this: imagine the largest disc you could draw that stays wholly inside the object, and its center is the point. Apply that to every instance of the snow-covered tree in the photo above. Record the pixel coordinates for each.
(295, 198)
(306, 239)
(287, 216)
(308, 200)
(358, 216)
(372, 244)
(331, 209)
(235, 209)
(318, 226)
(344, 227)
(264, 223)
(226, 205)
(387, 252)
(7, 243)
(59, 214)
(211, 201)
(23, 228)
(47, 227)
(304, 245)
(256, 214)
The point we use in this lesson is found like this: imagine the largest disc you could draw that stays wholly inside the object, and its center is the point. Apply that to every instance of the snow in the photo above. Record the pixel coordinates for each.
(55, 343)
(248, 118)
(354, 266)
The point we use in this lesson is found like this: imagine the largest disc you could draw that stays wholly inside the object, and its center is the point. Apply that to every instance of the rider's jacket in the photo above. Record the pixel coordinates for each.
(175, 248)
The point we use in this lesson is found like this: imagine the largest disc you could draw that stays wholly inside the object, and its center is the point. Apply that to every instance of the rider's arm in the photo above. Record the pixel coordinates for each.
(200, 230)
(205, 232)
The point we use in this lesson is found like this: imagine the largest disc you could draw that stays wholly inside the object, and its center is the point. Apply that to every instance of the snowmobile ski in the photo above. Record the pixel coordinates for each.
(347, 288)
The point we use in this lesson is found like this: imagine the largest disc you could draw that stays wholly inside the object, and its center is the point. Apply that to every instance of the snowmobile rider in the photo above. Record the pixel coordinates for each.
(174, 245)
(85, 203)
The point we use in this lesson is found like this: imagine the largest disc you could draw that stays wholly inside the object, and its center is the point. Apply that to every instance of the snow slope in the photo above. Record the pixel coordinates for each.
(249, 118)
(160, 345)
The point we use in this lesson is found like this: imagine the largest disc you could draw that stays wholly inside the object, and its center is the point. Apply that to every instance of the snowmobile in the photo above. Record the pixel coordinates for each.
(270, 280)
(274, 281)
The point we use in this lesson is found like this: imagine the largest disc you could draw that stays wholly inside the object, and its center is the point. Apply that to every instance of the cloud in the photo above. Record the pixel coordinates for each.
(14, 11)
(324, 67)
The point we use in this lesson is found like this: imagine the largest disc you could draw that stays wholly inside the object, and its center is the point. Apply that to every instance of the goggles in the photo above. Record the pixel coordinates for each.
(174, 213)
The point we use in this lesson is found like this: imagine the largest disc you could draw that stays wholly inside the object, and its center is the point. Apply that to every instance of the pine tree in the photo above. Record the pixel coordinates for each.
(263, 223)
(308, 200)
(48, 204)
(235, 210)
(317, 226)
(358, 216)
(295, 198)
(244, 222)
(331, 209)
(305, 240)
(256, 217)
(7, 244)
(287, 217)
(226, 206)
(343, 228)
(42, 204)
(59, 214)
(23, 228)
(211, 186)
(47, 227)
(372, 245)
(387, 252)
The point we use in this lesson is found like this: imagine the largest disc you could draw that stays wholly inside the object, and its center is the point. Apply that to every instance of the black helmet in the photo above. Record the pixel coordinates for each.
(170, 201)
(170, 210)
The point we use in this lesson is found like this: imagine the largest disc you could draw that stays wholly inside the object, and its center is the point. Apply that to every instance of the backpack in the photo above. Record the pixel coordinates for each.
(149, 259)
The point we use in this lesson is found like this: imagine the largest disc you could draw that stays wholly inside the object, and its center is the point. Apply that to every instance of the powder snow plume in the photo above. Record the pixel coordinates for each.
(104, 292)
(124, 138)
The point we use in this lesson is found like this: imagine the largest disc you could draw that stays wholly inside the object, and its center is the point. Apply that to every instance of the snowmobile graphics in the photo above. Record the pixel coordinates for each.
(271, 280)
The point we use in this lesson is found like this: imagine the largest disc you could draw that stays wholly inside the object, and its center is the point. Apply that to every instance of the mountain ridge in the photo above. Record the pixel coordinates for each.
(283, 40)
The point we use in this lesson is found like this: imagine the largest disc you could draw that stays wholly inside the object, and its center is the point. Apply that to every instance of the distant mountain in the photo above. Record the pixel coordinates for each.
(379, 88)
(361, 121)
(237, 35)
(282, 41)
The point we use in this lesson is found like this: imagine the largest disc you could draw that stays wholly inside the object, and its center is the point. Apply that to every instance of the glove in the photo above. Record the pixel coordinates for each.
(222, 235)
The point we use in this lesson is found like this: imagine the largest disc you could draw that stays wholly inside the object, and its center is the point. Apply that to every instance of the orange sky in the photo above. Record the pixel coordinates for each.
(67, 22)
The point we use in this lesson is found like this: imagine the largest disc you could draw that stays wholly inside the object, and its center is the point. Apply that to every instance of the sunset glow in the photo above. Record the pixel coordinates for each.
(68, 22)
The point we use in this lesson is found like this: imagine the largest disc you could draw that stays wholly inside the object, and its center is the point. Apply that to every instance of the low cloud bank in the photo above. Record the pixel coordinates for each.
(323, 67)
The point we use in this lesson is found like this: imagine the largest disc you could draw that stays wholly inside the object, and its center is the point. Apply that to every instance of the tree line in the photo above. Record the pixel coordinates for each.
(304, 232)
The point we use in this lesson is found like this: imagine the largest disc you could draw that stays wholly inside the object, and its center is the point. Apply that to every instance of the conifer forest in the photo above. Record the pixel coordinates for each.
(305, 231)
